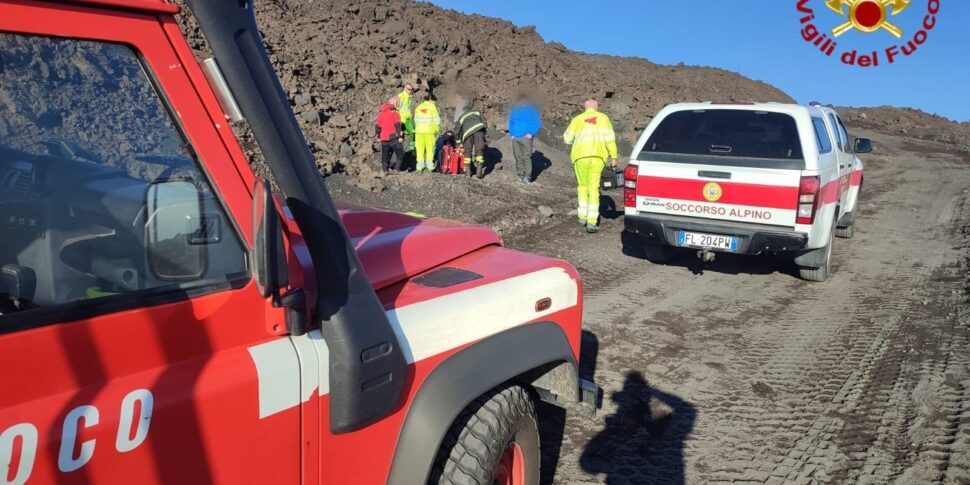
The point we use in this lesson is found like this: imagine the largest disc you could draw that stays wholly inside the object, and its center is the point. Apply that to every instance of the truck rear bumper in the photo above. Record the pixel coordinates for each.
(751, 239)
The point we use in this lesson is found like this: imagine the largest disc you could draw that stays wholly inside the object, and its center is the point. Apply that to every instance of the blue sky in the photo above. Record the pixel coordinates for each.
(762, 40)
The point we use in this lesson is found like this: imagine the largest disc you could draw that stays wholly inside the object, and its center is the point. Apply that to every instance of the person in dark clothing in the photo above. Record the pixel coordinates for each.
(524, 124)
(390, 131)
(471, 132)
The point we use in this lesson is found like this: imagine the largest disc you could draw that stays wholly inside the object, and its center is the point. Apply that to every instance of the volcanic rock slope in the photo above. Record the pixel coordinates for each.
(339, 60)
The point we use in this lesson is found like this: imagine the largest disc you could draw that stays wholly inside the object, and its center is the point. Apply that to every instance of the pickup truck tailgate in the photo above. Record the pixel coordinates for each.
(736, 163)
(718, 192)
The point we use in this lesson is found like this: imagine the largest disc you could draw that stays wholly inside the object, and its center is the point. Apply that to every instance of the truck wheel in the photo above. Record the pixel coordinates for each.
(495, 440)
(822, 273)
(847, 232)
(657, 253)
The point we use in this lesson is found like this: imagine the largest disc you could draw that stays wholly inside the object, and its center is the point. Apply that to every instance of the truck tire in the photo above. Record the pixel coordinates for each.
(820, 274)
(495, 440)
(847, 232)
(657, 253)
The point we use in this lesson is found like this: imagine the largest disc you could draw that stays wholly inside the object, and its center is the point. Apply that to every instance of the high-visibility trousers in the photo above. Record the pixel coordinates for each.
(424, 144)
(588, 173)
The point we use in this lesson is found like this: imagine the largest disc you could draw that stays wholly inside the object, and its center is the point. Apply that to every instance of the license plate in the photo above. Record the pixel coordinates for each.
(700, 240)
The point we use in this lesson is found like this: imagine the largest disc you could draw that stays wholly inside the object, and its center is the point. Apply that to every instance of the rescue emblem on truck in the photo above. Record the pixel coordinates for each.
(713, 192)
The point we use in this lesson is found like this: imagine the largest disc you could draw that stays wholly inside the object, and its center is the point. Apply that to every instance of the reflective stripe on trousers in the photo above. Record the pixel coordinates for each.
(424, 144)
(588, 173)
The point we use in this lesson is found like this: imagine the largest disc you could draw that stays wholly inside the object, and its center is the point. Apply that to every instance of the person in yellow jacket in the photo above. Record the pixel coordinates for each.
(594, 142)
(404, 106)
(427, 123)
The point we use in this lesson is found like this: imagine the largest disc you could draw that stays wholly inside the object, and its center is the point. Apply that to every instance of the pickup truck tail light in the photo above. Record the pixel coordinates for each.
(630, 186)
(808, 196)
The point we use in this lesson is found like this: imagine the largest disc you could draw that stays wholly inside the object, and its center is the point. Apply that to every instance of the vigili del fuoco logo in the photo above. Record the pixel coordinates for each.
(844, 19)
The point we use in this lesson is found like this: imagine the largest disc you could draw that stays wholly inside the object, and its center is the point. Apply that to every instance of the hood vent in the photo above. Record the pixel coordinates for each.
(445, 277)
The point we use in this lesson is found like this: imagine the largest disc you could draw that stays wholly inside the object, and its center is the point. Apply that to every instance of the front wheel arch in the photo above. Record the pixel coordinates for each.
(462, 378)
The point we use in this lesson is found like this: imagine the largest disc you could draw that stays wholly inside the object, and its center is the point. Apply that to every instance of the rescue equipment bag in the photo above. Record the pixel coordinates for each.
(452, 159)
(611, 179)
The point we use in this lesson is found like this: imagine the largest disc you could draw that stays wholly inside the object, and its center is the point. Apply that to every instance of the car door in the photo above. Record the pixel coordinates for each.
(132, 341)
(845, 158)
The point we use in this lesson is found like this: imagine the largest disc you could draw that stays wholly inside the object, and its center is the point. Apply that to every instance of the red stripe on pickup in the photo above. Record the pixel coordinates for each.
(754, 195)
(831, 192)
(856, 179)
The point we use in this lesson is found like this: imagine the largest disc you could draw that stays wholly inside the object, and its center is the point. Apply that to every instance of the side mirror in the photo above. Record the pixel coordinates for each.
(863, 145)
(269, 257)
(176, 232)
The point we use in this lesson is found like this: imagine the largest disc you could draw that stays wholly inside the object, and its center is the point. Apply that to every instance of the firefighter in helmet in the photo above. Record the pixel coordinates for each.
(471, 133)
(593, 143)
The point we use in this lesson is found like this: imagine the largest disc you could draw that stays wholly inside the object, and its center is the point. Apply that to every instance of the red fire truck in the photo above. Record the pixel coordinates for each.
(166, 318)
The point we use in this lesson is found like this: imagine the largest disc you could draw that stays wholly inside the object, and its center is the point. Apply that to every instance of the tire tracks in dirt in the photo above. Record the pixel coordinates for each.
(862, 379)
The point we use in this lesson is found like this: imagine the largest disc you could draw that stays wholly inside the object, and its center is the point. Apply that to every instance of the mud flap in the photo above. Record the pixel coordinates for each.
(847, 220)
(814, 258)
(585, 404)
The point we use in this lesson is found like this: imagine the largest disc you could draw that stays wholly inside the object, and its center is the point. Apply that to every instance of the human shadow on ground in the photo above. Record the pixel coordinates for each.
(643, 442)
(540, 162)
(552, 419)
(608, 208)
(493, 157)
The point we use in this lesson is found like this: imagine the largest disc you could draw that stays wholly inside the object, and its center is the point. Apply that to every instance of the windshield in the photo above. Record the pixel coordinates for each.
(84, 100)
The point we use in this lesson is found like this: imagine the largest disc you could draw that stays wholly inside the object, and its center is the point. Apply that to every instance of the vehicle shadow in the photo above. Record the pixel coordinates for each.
(552, 419)
(643, 442)
(725, 263)
(540, 162)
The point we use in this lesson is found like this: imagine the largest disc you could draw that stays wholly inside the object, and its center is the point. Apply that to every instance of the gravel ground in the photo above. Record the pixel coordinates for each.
(737, 371)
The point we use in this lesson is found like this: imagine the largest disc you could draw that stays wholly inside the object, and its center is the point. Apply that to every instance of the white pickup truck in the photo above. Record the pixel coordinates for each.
(745, 178)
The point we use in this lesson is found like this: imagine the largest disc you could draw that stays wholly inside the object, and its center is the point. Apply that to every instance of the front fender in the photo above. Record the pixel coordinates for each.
(461, 378)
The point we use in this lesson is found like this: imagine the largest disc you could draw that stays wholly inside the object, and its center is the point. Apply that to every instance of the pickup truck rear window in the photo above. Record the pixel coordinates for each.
(727, 133)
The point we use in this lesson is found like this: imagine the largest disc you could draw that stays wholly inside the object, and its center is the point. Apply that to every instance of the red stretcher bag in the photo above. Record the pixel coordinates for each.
(452, 160)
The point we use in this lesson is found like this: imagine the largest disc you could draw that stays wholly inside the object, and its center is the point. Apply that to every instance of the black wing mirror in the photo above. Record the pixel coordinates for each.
(269, 256)
(177, 231)
(863, 145)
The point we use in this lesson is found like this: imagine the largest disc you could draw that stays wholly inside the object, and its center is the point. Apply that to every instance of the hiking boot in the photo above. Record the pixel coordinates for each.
(582, 222)
(592, 228)
(481, 172)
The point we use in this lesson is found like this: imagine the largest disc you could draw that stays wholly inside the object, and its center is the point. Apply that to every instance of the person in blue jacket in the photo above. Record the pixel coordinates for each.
(525, 121)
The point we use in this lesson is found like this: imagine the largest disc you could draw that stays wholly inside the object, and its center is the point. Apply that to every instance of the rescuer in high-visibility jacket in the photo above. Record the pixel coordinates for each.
(427, 123)
(404, 108)
(594, 142)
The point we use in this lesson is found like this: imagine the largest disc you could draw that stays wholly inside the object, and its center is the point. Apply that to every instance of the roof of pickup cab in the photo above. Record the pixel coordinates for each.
(158, 6)
(787, 108)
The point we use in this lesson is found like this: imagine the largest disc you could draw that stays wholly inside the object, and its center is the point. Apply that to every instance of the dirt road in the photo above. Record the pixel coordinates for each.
(737, 371)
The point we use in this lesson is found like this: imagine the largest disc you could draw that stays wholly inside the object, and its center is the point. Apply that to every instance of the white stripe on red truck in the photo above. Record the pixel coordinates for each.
(426, 328)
